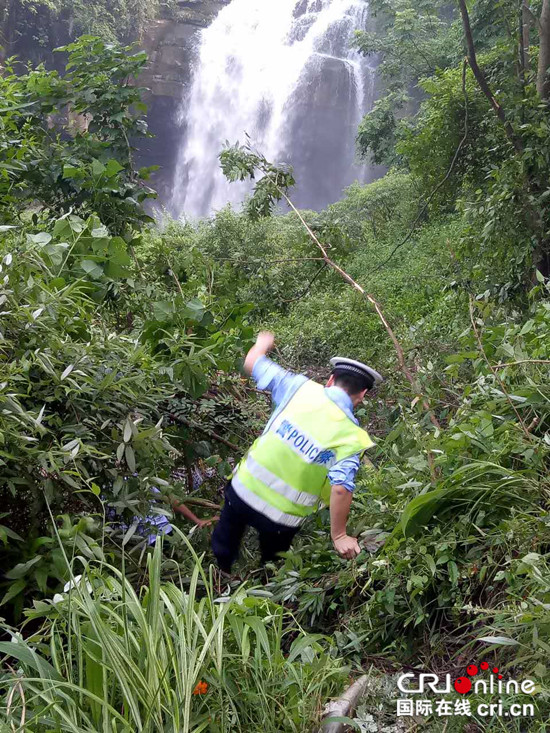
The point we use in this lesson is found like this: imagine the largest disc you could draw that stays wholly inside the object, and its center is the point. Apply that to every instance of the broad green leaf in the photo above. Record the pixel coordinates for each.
(100, 232)
(42, 238)
(130, 458)
(14, 590)
(21, 569)
(129, 533)
(92, 268)
(7, 532)
(163, 310)
(300, 644)
(419, 511)
(71, 171)
(453, 572)
(113, 167)
(29, 658)
(98, 169)
(431, 563)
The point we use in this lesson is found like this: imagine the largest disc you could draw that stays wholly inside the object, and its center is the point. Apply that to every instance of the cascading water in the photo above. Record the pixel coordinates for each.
(283, 72)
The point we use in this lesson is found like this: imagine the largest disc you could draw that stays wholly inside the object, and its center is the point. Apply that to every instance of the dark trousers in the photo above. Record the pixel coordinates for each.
(236, 516)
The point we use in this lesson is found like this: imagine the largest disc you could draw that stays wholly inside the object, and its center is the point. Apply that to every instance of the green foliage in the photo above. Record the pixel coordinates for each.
(64, 140)
(241, 162)
(430, 145)
(173, 657)
(455, 146)
(35, 27)
(411, 38)
(41, 566)
(445, 561)
(410, 41)
(377, 132)
(113, 20)
(116, 342)
(91, 368)
(71, 384)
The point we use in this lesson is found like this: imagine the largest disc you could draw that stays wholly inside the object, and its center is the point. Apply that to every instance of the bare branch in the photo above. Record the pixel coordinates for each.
(524, 38)
(521, 361)
(308, 287)
(175, 278)
(397, 346)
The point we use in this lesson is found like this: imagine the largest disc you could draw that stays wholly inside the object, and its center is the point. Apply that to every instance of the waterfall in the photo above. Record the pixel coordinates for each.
(283, 72)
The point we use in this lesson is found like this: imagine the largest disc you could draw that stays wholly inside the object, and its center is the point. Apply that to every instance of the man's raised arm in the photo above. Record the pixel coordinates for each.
(264, 344)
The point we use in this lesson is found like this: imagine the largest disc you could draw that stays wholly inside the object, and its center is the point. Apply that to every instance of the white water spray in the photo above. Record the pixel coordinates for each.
(283, 72)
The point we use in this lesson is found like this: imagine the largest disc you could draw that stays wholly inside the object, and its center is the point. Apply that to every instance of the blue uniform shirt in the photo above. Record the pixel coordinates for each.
(283, 385)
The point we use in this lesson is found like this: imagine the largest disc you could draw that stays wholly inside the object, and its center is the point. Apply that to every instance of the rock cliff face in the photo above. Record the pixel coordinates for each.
(171, 46)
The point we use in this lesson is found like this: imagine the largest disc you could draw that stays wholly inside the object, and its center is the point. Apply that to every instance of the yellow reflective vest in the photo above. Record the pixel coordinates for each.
(284, 475)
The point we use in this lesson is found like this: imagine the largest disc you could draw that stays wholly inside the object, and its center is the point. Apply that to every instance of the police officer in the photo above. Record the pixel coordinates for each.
(307, 456)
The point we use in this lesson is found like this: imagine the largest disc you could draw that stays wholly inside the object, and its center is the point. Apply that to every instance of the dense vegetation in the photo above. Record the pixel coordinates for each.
(119, 349)
(40, 25)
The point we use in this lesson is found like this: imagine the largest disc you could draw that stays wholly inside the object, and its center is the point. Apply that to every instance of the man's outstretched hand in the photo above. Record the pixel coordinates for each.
(346, 546)
(340, 503)
(202, 523)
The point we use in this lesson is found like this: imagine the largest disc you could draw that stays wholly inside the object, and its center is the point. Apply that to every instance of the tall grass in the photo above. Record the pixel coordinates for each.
(172, 657)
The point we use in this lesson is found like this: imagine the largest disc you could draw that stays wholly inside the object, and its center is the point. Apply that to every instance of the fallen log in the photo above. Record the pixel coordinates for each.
(344, 706)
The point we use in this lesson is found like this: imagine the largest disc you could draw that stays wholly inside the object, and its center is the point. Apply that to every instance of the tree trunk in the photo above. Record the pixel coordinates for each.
(541, 253)
(8, 31)
(543, 77)
(482, 81)
(525, 19)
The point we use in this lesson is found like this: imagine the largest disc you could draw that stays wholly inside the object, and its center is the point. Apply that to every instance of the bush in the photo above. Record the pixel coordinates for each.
(64, 140)
(171, 657)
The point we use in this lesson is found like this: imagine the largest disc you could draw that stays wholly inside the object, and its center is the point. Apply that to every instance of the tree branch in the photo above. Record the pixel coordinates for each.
(397, 346)
(175, 278)
(482, 81)
(263, 262)
(543, 77)
(524, 38)
(521, 361)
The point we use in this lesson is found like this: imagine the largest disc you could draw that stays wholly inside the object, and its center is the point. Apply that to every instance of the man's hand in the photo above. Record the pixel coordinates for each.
(265, 341)
(346, 546)
(340, 502)
(264, 344)
(202, 523)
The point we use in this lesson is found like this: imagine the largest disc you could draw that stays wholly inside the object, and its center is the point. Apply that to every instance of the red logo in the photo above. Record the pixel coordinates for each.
(463, 685)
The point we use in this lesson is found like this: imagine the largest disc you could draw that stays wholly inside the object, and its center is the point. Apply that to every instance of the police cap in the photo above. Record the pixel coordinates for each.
(357, 368)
